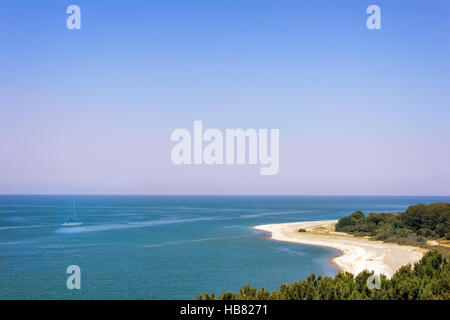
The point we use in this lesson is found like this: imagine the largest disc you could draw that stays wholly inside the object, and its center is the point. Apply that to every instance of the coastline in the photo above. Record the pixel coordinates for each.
(357, 254)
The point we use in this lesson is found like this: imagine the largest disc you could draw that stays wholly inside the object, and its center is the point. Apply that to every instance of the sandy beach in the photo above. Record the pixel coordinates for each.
(357, 254)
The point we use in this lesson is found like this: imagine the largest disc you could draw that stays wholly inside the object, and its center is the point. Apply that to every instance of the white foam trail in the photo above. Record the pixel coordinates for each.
(275, 213)
(22, 227)
(127, 225)
(171, 243)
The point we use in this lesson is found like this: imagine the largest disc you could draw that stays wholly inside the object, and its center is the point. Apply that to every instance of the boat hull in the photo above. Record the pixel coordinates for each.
(72, 224)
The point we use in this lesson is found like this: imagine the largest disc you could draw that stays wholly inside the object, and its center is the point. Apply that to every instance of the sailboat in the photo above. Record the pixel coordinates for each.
(72, 222)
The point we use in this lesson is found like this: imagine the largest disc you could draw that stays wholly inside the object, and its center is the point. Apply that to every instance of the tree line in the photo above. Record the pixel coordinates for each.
(413, 226)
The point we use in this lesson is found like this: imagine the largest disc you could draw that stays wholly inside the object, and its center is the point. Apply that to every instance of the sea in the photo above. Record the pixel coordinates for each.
(164, 247)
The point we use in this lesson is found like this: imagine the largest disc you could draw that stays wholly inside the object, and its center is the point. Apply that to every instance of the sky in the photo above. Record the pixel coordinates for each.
(91, 111)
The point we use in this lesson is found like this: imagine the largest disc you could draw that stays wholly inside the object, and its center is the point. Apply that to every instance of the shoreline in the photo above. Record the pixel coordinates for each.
(356, 253)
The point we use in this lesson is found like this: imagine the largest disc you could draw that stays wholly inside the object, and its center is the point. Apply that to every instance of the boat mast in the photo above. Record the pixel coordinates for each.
(73, 201)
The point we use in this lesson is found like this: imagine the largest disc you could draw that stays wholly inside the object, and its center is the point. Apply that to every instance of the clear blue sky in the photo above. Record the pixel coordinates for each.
(92, 110)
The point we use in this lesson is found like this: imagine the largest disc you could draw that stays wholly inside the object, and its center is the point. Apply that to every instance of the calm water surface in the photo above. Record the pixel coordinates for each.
(163, 247)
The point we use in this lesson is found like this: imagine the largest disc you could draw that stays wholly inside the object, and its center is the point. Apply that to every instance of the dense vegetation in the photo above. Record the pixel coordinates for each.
(429, 279)
(414, 226)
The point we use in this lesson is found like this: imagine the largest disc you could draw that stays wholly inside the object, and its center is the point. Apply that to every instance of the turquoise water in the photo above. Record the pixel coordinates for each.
(163, 247)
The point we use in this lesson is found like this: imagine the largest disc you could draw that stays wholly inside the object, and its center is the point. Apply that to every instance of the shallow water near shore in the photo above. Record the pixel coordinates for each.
(164, 247)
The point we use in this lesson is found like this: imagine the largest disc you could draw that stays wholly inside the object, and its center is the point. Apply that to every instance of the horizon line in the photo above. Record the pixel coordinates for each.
(223, 194)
